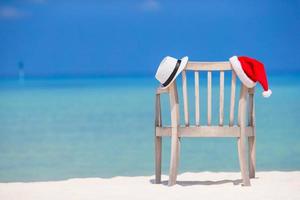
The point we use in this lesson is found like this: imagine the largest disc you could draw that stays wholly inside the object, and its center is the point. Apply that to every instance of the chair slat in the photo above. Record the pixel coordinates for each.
(251, 102)
(174, 105)
(197, 99)
(232, 98)
(221, 107)
(158, 120)
(242, 106)
(209, 98)
(185, 99)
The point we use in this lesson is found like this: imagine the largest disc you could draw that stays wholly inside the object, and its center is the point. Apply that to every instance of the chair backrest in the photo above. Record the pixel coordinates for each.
(207, 68)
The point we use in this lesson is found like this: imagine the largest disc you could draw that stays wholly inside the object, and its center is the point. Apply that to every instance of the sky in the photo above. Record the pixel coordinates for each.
(120, 38)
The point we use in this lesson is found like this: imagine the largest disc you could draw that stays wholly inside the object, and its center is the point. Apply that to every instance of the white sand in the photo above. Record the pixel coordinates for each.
(205, 185)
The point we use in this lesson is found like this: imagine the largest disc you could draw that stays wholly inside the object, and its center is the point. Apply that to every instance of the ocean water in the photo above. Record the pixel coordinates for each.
(54, 129)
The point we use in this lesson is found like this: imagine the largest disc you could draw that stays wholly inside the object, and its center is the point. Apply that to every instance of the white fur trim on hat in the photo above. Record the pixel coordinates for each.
(240, 72)
(267, 93)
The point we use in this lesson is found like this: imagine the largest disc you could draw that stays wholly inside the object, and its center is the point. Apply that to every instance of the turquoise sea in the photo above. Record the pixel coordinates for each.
(59, 128)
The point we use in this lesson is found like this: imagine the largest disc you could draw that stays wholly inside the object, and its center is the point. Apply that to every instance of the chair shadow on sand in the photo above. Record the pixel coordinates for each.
(191, 183)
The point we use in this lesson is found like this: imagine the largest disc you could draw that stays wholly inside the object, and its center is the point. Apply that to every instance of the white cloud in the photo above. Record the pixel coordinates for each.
(150, 5)
(9, 12)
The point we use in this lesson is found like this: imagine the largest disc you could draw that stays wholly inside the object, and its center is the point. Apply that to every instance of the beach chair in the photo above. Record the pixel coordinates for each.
(243, 131)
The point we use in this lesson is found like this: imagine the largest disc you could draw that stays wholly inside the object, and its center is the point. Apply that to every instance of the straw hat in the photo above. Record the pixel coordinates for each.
(169, 69)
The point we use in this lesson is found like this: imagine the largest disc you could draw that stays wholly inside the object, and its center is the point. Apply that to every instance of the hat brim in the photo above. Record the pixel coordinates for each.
(182, 66)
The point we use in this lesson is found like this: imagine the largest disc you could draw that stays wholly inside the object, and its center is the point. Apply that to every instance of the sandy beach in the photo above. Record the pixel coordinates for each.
(204, 185)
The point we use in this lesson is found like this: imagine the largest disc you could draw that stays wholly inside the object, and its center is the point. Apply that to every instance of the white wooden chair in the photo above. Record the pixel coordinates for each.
(243, 131)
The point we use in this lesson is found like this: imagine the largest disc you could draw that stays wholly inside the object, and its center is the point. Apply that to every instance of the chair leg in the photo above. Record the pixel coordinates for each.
(252, 156)
(242, 159)
(158, 148)
(175, 149)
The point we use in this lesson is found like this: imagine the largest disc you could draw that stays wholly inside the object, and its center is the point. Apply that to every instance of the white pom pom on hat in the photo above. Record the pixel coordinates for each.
(267, 93)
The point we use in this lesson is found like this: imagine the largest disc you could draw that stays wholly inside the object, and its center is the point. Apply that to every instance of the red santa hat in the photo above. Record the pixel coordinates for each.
(251, 71)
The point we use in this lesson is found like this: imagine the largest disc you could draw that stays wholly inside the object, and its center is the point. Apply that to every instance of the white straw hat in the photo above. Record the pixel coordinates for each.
(169, 69)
